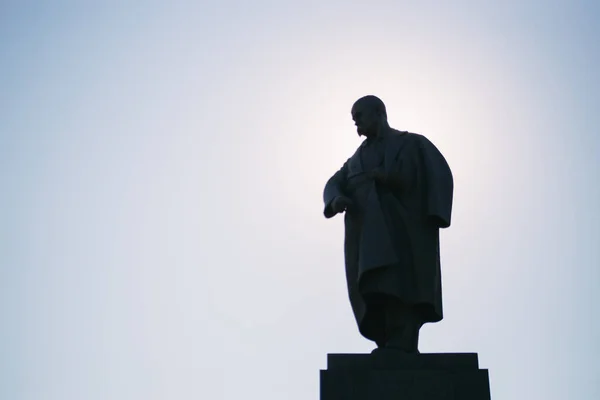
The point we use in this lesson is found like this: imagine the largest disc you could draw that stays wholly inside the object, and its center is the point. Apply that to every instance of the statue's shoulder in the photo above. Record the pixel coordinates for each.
(409, 137)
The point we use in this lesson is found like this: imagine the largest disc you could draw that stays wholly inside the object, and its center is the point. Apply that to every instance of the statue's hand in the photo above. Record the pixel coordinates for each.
(379, 176)
(341, 204)
(390, 180)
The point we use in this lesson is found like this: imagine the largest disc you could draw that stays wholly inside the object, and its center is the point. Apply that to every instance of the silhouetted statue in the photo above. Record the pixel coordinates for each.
(396, 192)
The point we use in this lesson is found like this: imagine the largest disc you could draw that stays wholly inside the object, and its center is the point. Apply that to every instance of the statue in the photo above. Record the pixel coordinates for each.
(396, 193)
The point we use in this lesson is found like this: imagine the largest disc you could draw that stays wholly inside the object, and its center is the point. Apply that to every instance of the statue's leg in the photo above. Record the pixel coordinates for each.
(375, 319)
(402, 326)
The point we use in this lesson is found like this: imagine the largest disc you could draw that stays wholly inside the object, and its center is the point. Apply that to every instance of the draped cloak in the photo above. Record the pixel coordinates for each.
(392, 232)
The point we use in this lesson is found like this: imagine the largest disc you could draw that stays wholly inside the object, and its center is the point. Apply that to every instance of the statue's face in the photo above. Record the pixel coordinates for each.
(365, 118)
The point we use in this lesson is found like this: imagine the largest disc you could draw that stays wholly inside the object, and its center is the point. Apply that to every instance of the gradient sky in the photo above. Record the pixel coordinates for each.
(162, 167)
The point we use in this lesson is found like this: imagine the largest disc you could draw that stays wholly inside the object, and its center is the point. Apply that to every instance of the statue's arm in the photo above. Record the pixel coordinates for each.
(334, 188)
(439, 185)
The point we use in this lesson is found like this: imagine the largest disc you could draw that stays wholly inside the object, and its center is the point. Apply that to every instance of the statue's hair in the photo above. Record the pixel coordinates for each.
(375, 102)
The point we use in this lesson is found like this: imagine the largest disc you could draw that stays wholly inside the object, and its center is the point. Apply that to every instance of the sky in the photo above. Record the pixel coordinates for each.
(162, 166)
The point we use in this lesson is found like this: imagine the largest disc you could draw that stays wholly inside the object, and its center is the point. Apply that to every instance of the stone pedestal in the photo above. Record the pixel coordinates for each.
(387, 375)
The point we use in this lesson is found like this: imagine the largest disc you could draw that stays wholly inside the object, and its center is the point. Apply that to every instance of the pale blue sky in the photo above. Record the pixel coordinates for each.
(162, 163)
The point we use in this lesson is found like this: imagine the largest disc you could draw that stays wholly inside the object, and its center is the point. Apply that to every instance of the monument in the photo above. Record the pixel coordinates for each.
(396, 193)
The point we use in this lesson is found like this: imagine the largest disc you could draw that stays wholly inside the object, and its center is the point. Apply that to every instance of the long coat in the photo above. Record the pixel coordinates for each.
(396, 226)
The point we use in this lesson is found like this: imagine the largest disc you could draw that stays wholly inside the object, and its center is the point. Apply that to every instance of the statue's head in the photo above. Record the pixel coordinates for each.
(369, 115)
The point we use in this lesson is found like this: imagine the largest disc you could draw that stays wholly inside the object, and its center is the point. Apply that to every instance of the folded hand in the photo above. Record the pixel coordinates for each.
(383, 178)
(341, 204)
(379, 176)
